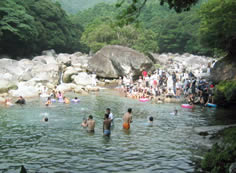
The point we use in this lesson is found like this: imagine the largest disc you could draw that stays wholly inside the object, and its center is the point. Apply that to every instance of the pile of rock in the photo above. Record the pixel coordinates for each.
(80, 72)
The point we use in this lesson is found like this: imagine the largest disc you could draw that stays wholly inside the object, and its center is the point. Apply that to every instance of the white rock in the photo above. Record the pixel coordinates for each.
(66, 87)
(25, 89)
(83, 79)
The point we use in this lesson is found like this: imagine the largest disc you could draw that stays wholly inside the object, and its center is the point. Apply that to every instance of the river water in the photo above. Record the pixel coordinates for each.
(62, 145)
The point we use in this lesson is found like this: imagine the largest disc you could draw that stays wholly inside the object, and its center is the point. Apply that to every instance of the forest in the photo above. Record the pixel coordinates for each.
(31, 26)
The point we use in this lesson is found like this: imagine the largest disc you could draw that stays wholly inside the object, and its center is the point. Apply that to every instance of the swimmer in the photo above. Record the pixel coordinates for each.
(84, 123)
(107, 125)
(20, 101)
(75, 100)
(91, 124)
(45, 119)
(66, 100)
(127, 119)
(49, 102)
(175, 111)
(150, 121)
(8, 102)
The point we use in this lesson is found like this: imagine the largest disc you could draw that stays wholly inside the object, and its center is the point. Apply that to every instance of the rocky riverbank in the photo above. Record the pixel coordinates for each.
(82, 73)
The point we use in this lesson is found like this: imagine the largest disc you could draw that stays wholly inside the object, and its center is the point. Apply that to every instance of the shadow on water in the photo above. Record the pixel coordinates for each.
(62, 145)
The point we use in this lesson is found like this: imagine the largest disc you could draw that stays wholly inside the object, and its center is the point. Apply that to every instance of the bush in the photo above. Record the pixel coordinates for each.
(220, 157)
(225, 92)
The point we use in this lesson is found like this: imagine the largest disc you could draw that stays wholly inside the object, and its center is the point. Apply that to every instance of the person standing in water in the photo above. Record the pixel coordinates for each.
(49, 102)
(91, 124)
(111, 116)
(127, 119)
(107, 125)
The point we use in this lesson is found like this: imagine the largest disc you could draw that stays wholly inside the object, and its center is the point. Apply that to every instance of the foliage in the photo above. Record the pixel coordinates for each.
(219, 158)
(100, 34)
(132, 11)
(176, 33)
(218, 25)
(32, 26)
(226, 92)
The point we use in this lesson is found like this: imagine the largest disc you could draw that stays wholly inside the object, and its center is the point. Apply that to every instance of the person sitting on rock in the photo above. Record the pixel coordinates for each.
(20, 101)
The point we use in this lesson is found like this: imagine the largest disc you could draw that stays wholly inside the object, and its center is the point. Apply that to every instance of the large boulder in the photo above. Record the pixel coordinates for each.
(83, 79)
(115, 61)
(25, 89)
(6, 85)
(69, 72)
(224, 69)
(80, 60)
(45, 59)
(64, 59)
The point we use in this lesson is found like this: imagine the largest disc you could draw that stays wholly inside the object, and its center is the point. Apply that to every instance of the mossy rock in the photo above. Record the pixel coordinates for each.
(5, 90)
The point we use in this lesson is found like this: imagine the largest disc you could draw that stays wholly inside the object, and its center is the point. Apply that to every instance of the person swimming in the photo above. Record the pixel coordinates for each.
(127, 119)
(8, 102)
(150, 121)
(107, 125)
(66, 100)
(20, 101)
(49, 102)
(75, 100)
(45, 119)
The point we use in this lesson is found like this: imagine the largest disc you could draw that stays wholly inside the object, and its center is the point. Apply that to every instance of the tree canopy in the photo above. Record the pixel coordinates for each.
(31, 26)
(218, 25)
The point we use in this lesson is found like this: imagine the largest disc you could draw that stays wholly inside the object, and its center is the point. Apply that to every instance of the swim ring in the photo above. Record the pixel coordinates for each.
(188, 106)
(143, 100)
(75, 101)
(61, 100)
(212, 105)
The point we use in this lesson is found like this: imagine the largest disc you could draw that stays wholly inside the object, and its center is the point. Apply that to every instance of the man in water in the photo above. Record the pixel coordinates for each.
(20, 101)
(107, 125)
(111, 117)
(127, 119)
(91, 124)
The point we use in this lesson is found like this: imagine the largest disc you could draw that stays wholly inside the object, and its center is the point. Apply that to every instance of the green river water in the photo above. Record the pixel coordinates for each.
(62, 145)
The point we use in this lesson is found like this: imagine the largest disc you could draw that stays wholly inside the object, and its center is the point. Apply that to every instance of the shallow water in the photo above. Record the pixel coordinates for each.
(62, 145)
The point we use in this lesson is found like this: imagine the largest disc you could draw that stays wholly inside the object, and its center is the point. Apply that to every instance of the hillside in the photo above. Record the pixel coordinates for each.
(73, 6)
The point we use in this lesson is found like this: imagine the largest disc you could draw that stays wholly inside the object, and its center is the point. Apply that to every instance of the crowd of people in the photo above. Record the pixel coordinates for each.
(163, 84)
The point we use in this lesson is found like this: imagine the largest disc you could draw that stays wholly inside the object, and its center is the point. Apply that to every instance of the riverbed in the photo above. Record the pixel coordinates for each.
(62, 145)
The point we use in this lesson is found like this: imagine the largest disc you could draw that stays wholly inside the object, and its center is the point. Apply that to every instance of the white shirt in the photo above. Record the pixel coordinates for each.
(111, 116)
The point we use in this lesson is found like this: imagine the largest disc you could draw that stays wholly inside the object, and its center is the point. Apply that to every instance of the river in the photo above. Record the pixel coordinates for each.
(62, 145)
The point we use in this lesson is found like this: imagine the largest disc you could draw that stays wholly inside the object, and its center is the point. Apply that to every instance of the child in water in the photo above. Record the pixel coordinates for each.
(84, 123)
(49, 102)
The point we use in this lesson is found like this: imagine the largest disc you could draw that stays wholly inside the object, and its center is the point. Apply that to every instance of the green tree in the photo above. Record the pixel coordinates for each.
(218, 25)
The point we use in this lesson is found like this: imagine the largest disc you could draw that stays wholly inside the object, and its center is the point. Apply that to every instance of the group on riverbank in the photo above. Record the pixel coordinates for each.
(162, 85)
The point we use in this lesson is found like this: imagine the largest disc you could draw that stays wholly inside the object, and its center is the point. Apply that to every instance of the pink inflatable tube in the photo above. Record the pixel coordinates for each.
(143, 100)
(188, 106)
